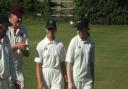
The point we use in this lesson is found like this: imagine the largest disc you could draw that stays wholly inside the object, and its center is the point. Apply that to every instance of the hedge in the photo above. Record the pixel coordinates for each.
(103, 11)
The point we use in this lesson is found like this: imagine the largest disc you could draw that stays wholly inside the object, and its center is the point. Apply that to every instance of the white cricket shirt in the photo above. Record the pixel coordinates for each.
(50, 54)
(15, 38)
(81, 53)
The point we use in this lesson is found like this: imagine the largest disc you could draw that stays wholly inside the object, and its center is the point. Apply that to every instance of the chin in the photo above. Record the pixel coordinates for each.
(16, 27)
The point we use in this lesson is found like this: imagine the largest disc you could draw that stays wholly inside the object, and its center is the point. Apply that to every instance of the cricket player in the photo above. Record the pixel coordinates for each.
(18, 37)
(7, 70)
(80, 58)
(50, 56)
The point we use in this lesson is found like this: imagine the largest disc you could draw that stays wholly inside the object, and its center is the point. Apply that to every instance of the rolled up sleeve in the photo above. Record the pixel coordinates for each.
(38, 58)
(62, 54)
(70, 52)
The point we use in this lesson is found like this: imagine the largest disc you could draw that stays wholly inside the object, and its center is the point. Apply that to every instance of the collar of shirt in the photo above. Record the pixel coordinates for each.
(50, 42)
(12, 29)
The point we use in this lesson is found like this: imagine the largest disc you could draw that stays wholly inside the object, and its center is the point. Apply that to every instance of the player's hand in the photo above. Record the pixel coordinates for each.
(20, 45)
(65, 82)
(71, 85)
(17, 86)
(40, 85)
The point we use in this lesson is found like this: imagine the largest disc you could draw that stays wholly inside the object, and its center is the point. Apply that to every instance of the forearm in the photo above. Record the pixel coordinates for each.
(18, 46)
(14, 47)
(38, 73)
(69, 72)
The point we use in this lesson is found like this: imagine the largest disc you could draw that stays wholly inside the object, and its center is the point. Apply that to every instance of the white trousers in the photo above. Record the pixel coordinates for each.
(82, 85)
(52, 78)
(5, 84)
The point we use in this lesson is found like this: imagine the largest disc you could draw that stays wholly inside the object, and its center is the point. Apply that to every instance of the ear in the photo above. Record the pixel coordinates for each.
(78, 31)
(46, 30)
(11, 18)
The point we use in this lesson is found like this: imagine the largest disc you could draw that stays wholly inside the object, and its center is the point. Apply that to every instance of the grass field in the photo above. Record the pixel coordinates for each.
(111, 63)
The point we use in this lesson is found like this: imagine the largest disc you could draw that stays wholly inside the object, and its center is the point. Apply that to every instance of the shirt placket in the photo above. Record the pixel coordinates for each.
(82, 51)
(13, 37)
(16, 37)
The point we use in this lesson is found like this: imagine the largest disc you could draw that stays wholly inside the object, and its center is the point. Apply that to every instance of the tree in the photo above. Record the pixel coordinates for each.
(103, 11)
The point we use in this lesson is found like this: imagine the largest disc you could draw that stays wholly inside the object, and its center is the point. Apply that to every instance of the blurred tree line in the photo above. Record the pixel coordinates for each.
(98, 11)
(31, 7)
(103, 11)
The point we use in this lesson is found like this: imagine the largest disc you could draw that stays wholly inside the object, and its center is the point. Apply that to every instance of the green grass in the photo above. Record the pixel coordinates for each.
(111, 63)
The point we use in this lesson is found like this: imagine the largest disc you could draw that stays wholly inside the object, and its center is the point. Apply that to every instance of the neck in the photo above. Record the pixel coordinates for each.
(84, 36)
(15, 28)
(51, 38)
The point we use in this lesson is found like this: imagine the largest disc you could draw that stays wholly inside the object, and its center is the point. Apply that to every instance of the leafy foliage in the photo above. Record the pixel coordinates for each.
(103, 11)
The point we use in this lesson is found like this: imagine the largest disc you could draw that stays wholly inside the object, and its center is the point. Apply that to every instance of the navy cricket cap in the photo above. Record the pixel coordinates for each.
(82, 23)
(17, 10)
(51, 24)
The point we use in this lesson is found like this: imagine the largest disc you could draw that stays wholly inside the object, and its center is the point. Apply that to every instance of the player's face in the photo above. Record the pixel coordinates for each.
(2, 31)
(15, 20)
(82, 32)
(51, 32)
